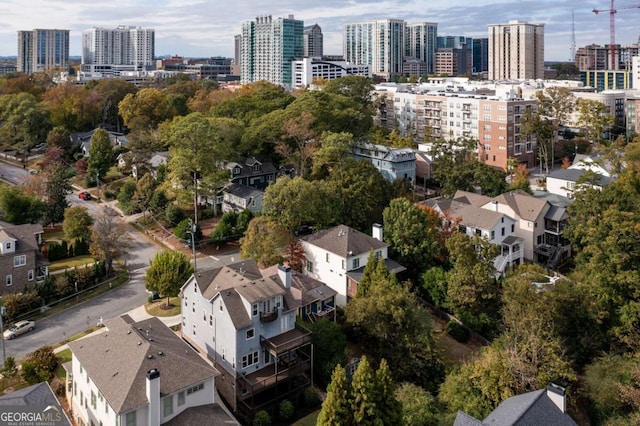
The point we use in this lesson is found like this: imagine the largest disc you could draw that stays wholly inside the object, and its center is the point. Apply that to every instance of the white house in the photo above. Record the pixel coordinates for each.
(564, 182)
(337, 257)
(237, 198)
(138, 373)
(246, 324)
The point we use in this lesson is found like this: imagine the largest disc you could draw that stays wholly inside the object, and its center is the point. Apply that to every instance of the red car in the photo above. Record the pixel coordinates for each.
(84, 195)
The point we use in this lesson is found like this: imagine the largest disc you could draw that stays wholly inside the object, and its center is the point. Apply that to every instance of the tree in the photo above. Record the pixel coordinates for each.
(145, 190)
(387, 405)
(253, 101)
(109, 238)
(57, 187)
(126, 196)
(356, 88)
(594, 118)
(198, 145)
(299, 141)
(394, 326)
(538, 126)
(25, 121)
(412, 234)
(100, 156)
(364, 394)
(77, 223)
(556, 103)
(144, 109)
(72, 107)
(264, 241)
(336, 408)
(329, 336)
(167, 272)
(418, 406)
(60, 137)
(19, 208)
(39, 365)
(472, 290)
(334, 150)
(111, 91)
(374, 272)
(9, 369)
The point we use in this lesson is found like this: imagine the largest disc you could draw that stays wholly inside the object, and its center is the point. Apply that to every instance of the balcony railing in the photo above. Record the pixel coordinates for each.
(269, 316)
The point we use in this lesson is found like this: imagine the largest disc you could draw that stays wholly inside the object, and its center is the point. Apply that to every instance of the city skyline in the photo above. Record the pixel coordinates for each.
(200, 28)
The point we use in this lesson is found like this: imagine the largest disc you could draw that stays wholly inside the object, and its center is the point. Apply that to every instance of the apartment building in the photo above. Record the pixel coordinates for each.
(308, 69)
(378, 43)
(421, 43)
(268, 47)
(516, 51)
(43, 49)
(106, 52)
(313, 41)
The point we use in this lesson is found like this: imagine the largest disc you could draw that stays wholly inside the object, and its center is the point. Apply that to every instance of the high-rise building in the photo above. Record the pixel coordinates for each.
(268, 47)
(313, 45)
(109, 51)
(454, 42)
(420, 44)
(40, 50)
(237, 49)
(454, 55)
(516, 51)
(378, 43)
(480, 55)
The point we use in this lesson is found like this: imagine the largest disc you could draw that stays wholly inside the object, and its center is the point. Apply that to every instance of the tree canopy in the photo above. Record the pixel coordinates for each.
(167, 273)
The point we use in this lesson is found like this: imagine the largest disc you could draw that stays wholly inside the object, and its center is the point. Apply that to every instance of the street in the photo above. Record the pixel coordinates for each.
(63, 325)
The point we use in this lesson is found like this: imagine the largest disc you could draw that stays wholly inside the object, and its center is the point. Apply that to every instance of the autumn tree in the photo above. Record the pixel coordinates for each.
(264, 241)
(299, 141)
(111, 91)
(74, 108)
(594, 118)
(167, 272)
(144, 109)
(59, 137)
(418, 406)
(77, 223)
(109, 239)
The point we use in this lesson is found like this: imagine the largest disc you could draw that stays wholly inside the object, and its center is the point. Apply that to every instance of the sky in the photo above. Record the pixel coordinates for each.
(204, 28)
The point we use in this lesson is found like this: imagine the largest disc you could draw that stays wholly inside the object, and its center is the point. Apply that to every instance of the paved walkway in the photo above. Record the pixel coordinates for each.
(137, 314)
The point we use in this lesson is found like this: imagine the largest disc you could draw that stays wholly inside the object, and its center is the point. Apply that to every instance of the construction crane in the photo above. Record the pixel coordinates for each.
(612, 28)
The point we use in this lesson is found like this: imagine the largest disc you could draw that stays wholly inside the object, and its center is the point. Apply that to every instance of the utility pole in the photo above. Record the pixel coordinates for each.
(98, 184)
(3, 310)
(192, 231)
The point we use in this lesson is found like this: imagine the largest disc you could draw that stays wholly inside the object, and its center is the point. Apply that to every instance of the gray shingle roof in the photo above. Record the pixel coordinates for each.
(472, 198)
(524, 205)
(463, 419)
(344, 241)
(572, 175)
(309, 289)
(211, 415)
(242, 191)
(118, 359)
(532, 408)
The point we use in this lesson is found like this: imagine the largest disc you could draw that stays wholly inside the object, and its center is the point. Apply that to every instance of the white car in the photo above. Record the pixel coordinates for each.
(19, 328)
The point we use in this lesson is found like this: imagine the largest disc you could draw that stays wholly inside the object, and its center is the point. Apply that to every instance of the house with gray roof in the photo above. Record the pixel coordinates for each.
(237, 197)
(21, 262)
(565, 182)
(252, 172)
(542, 407)
(392, 163)
(245, 323)
(83, 140)
(137, 373)
(38, 395)
(338, 256)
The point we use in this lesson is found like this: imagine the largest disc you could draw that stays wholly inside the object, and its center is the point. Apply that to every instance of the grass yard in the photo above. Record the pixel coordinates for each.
(72, 262)
(159, 307)
(63, 356)
(309, 420)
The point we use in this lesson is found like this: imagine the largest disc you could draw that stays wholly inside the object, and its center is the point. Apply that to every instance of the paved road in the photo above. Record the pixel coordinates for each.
(12, 174)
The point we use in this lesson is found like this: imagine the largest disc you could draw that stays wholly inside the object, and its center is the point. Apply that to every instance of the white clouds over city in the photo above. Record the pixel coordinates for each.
(206, 27)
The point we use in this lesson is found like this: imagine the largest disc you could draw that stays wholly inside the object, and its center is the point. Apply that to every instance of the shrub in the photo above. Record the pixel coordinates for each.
(173, 215)
(262, 418)
(182, 230)
(457, 331)
(286, 410)
(311, 397)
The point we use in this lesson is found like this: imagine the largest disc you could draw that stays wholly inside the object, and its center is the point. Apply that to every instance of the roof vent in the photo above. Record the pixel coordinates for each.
(151, 340)
(149, 356)
(114, 374)
(160, 353)
(128, 331)
(106, 350)
(139, 343)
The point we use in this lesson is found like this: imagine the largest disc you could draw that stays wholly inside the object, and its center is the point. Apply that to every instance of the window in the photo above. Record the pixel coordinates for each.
(93, 400)
(513, 227)
(195, 388)
(194, 329)
(221, 306)
(9, 280)
(250, 359)
(204, 315)
(493, 233)
(378, 254)
(326, 256)
(211, 320)
(193, 307)
(131, 418)
(343, 262)
(309, 266)
(181, 398)
(167, 406)
(20, 260)
(8, 245)
(185, 302)
(250, 333)
(356, 263)
(30, 275)
(479, 232)
(254, 309)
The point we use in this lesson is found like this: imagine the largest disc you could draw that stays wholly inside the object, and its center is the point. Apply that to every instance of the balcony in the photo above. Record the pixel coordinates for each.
(269, 316)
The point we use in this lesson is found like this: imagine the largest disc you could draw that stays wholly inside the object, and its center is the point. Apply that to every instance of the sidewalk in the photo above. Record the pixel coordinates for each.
(137, 314)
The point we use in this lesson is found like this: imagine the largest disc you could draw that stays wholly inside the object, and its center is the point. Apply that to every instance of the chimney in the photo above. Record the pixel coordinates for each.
(284, 273)
(376, 231)
(557, 394)
(153, 395)
(495, 206)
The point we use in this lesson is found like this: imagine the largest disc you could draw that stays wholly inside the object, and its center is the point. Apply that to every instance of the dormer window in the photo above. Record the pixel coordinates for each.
(236, 170)
(8, 245)
(256, 167)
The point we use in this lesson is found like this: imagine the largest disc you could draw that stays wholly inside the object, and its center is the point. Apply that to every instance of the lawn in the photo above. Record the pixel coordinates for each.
(71, 262)
(309, 420)
(159, 308)
(63, 356)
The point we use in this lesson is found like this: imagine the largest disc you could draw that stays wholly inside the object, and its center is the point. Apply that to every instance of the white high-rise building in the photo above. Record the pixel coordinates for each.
(378, 43)
(268, 47)
(110, 51)
(42, 49)
(516, 51)
(421, 43)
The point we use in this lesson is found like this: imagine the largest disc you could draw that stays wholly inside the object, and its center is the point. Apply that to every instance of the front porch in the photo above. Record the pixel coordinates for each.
(511, 254)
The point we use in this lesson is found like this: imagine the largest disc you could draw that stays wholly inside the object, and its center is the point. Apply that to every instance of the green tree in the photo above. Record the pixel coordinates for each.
(198, 145)
(434, 282)
(364, 394)
(57, 188)
(594, 118)
(145, 190)
(109, 238)
(60, 137)
(418, 406)
(334, 150)
(146, 108)
(413, 235)
(374, 272)
(472, 290)
(253, 101)
(387, 405)
(158, 202)
(19, 208)
(357, 88)
(77, 223)
(167, 272)
(126, 196)
(264, 241)
(24, 121)
(330, 345)
(100, 156)
(336, 408)
(9, 369)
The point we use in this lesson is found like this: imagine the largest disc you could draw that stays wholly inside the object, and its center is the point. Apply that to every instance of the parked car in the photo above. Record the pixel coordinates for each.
(19, 328)
(84, 195)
